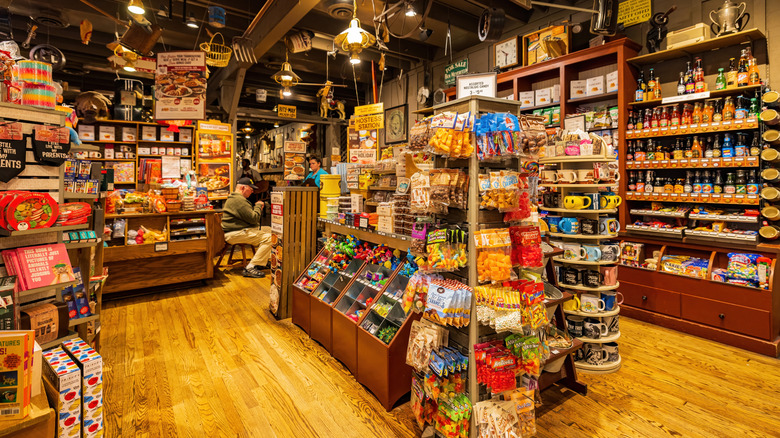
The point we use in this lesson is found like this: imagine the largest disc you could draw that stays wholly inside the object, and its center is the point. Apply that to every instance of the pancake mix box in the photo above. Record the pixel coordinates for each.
(63, 388)
(91, 365)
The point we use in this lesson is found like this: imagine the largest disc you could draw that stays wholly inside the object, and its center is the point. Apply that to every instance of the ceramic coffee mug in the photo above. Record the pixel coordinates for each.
(596, 355)
(570, 225)
(610, 252)
(591, 303)
(576, 202)
(554, 223)
(608, 226)
(573, 304)
(567, 176)
(570, 276)
(610, 201)
(589, 226)
(611, 299)
(610, 275)
(572, 251)
(595, 200)
(585, 176)
(551, 200)
(591, 253)
(613, 323)
(549, 177)
(594, 329)
(574, 325)
(611, 348)
(592, 278)
(579, 355)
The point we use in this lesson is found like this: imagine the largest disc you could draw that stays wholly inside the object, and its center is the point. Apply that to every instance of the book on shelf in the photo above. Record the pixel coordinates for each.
(16, 364)
(39, 266)
(8, 308)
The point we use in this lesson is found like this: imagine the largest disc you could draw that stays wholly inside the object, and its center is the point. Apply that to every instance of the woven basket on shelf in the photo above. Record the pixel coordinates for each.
(173, 206)
(217, 55)
(170, 194)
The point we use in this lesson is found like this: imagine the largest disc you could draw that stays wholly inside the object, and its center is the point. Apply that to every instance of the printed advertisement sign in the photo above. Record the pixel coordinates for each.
(180, 86)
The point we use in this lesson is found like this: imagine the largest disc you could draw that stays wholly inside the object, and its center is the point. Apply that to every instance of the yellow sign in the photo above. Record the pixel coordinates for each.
(370, 121)
(286, 111)
(377, 108)
(631, 12)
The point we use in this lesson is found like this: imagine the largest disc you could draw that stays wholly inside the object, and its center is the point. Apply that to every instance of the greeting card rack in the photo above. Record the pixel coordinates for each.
(88, 256)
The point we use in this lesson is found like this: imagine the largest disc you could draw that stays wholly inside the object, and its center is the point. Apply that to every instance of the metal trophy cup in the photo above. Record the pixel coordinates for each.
(728, 19)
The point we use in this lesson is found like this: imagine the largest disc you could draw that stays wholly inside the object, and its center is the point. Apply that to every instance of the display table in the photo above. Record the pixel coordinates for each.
(186, 256)
(40, 422)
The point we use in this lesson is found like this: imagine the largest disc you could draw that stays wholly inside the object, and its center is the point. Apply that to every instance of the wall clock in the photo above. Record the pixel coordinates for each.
(505, 53)
(395, 124)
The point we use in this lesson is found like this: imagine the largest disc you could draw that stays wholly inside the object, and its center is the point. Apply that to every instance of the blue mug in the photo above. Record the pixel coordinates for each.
(553, 222)
(569, 225)
(596, 200)
(611, 299)
(591, 253)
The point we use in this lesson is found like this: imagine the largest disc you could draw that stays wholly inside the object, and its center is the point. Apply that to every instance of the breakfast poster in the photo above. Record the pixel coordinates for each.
(180, 86)
(294, 160)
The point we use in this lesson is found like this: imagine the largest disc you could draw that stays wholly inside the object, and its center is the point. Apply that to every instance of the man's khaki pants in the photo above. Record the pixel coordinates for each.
(261, 238)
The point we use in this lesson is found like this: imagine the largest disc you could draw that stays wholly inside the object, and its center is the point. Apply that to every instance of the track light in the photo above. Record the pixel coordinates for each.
(191, 22)
(136, 7)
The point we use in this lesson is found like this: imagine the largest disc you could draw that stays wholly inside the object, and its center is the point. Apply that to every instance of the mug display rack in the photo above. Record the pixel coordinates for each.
(585, 358)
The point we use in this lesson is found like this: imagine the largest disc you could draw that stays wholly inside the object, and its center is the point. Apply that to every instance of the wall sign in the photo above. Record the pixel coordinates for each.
(12, 151)
(294, 159)
(482, 84)
(287, 111)
(631, 12)
(50, 144)
(454, 70)
(180, 86)
(369, 117)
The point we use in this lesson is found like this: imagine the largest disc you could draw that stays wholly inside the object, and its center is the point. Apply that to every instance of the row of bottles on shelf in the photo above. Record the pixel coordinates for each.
(713, 110)
(693, 147)
(739, 182)
(741, 74)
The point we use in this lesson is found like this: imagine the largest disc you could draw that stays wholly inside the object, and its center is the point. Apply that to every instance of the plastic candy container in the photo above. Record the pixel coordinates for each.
(493, 255)
(526, 246)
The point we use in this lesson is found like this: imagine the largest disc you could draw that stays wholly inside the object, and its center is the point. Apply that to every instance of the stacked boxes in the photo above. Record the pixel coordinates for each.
(403, 220)
(91, 365)
(63, 388)
(385, 217)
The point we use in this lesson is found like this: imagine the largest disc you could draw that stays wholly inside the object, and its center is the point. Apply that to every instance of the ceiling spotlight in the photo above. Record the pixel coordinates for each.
(248, 129)
(286, 92)
(425, 33)
(247, 137)
(191, 22)
(354, 58)
(135, 7)
(129, 66)
(276, 124)
(410, 10)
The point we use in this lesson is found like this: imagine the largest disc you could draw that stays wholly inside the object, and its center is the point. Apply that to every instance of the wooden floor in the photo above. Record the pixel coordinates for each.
(212, 362)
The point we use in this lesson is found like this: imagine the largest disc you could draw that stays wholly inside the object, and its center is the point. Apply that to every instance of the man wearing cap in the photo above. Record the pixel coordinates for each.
(241, 222)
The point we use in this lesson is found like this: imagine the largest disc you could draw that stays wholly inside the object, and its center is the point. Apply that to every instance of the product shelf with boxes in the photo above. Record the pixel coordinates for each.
(693, 288)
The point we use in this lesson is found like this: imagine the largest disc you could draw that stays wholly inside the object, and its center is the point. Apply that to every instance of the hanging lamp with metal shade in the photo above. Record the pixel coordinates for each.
(354, 39)
(286, 77)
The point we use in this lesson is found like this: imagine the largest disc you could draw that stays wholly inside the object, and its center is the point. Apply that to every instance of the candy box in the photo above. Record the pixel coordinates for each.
(91, 365)
(63, 388)
(16, 369)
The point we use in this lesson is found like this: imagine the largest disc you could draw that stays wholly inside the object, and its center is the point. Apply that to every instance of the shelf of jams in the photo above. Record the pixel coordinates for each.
(739, 145)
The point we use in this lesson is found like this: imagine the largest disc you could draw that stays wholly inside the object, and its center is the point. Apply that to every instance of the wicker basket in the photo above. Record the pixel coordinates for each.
(217, 55)
(170, 194)
(173, 206)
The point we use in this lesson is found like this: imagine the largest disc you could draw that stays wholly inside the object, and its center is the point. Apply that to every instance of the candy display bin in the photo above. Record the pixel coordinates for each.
(322, 300)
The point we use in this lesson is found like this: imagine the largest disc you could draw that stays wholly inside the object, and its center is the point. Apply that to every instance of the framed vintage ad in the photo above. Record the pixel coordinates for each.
(395, 124)
(506, 53)
(482, 84)
(545, 44)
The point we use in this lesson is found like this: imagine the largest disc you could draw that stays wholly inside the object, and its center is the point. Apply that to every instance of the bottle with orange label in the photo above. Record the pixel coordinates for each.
(728, 109)
(743, 78)
(697, 112)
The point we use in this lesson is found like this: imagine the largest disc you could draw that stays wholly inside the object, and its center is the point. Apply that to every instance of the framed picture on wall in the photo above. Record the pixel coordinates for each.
(395, 124)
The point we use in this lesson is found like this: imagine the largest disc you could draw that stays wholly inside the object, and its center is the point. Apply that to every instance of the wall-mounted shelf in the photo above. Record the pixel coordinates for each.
(704, 46)
(596, 98)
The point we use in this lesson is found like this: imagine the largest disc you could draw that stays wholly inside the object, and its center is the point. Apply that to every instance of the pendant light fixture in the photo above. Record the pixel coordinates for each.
(136, 7)
(192, 22)
(286, 77)
(354, 39)
(248, 129)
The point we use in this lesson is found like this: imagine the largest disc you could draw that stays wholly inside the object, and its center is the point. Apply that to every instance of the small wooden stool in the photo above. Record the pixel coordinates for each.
(232, 248)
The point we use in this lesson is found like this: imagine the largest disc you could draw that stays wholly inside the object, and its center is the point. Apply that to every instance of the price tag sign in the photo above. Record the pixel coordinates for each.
(674, 196)
(752, 161)
(664, 163)
(715, 125)
(694, 162)
(727, 123)
(161, 246)
(673, 128)
(664, 129)
(683, 163)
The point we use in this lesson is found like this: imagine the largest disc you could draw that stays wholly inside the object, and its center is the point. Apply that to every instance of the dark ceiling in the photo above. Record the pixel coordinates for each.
(87, 66)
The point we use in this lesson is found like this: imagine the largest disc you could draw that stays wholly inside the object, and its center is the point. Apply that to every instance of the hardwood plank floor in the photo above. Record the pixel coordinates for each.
(212, 362)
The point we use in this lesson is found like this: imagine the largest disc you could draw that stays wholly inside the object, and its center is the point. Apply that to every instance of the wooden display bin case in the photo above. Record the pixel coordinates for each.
(343, 328)
(170, 262)
(301, 302)
(743, 316)
(322, 300)
(382, 367)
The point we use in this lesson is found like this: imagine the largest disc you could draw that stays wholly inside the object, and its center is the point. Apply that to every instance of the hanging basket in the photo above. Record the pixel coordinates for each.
(217, 55)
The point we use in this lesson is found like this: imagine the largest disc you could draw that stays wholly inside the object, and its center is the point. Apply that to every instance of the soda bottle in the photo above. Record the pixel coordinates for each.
(706, 182)
(755, 146)
(740, 149)
(741, 182)
(708, 152)
(741, 110)
(688, 186)
(728, 109)
(717, 152)
(720, 81)
(640, 182)
(681, 85)
(717, 186)
(706, 114)
(731, 76)
(696, 116)
(698, 76)
(728, 147)
(675, 120)
(696, 151)
(664, 120)
(730, 186)
(753, 77)
(690, 83)
(640, 87)
(752, 183)
(743, 79)
(678, 153)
